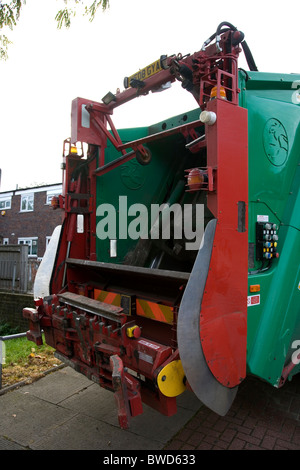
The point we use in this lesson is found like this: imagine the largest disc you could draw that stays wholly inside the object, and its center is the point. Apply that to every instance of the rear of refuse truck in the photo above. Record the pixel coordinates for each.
(176, 265)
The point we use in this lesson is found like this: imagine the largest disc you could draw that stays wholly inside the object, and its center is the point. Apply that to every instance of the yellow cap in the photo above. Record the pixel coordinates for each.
(171, 379)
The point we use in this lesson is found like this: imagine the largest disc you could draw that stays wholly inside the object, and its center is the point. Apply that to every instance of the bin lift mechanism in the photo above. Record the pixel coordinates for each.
(212, 70)
(213, 66)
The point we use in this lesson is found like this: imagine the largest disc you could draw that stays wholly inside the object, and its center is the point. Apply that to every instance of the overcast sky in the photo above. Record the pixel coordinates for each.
(47, 68)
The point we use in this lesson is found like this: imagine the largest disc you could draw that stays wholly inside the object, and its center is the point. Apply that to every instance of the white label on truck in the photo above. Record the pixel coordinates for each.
(262, 218)
(253, 300)
(150, 345)
(145, 357)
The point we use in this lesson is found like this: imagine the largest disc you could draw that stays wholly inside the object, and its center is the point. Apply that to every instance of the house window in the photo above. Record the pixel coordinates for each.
(27, 203)
(32, 244)
(53, 192)
(5, 241)
(5, 203)
(50, 196)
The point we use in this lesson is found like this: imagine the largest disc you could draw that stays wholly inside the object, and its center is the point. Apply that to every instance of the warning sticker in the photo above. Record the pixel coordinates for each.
(262, 218)
(253, 300)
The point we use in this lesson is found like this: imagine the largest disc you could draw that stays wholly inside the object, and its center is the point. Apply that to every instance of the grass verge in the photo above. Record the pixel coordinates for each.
(24, 360)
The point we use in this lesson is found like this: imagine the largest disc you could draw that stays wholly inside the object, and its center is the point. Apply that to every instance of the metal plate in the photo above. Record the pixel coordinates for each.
(205, 386)
(92, 306)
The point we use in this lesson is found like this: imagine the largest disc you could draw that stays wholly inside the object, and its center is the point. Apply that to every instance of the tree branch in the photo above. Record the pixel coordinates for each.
(10, 14)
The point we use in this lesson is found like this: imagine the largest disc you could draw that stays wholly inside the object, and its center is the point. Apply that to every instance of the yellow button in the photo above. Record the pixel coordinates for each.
(133, 331)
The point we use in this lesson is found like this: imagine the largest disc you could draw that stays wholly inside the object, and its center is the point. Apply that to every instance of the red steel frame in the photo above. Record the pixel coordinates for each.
(223, 318)
(223, 313)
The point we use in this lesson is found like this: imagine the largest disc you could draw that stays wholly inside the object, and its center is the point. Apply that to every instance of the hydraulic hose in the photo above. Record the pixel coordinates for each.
(249, 58)
(248, 55)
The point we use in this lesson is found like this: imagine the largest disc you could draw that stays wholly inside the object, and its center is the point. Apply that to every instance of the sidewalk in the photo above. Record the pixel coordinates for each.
(66, 411)
(261, 418)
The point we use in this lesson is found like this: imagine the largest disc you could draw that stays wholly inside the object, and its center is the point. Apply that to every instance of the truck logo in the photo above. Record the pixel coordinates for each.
(275, 142)
(133, 175)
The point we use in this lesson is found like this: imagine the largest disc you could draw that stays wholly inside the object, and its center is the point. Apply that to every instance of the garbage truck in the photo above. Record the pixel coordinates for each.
(176, 264)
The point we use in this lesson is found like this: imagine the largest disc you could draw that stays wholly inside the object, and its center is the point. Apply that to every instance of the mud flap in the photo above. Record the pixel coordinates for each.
(206, 387)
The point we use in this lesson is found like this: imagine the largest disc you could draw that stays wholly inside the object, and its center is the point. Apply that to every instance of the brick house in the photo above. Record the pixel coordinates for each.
(26, 217)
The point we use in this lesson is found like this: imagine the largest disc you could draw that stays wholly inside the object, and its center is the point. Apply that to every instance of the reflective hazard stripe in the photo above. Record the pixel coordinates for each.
(107, 297)
(159, 312)
(144, 308)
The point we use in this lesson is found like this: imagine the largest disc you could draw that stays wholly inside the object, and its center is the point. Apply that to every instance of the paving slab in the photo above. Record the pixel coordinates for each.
(66, 411)
(24, 418)
(6, 444)
(56, 387)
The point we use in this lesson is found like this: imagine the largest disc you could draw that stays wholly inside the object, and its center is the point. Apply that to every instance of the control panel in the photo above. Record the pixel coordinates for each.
(266, 241)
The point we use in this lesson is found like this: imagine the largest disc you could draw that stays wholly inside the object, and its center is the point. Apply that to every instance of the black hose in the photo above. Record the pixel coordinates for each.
(249, 58)
(248, 55)
(225, 23)
(212, 37)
